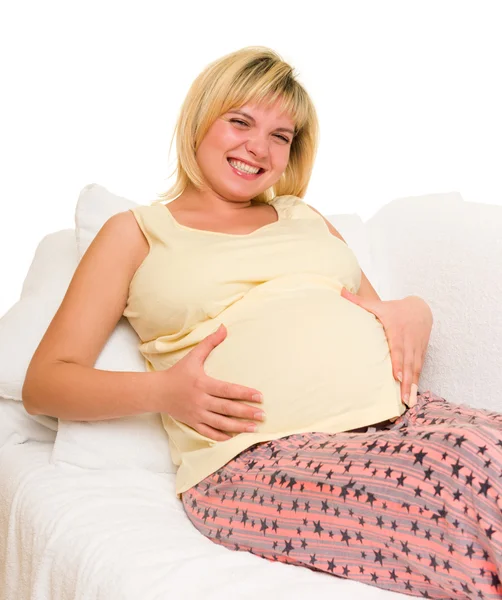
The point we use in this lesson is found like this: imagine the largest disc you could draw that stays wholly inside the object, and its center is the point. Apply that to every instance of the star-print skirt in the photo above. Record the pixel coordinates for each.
(413, 506)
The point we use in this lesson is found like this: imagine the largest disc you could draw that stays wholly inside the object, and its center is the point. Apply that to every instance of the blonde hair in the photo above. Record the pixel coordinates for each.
(252, 74)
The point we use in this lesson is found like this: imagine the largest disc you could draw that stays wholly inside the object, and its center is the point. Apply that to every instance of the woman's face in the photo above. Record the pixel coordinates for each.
(262, 137)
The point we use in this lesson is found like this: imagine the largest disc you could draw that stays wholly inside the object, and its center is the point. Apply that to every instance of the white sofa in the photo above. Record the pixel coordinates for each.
(88, 509)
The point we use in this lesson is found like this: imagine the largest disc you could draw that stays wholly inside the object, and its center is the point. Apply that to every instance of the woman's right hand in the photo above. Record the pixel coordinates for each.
(188, 395)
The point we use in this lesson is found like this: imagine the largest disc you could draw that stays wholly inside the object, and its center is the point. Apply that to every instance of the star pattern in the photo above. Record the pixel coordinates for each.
(413, 507)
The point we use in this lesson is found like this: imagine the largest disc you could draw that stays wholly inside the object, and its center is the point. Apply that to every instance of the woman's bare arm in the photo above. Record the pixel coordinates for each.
(61, 380)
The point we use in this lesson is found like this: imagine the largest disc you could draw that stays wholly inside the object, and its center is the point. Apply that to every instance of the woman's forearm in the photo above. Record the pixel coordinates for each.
(73, 392)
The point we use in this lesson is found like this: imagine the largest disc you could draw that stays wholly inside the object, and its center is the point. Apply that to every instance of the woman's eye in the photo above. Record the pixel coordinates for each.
(244, 123)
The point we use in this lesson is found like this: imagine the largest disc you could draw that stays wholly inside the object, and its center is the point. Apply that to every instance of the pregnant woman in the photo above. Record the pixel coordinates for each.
(236, 288)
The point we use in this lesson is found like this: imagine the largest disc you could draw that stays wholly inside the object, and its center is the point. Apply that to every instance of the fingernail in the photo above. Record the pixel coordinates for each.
(406, 398)
(259, 415)
(414, 394)
(258, 397)
(251, 428)
(400, 377)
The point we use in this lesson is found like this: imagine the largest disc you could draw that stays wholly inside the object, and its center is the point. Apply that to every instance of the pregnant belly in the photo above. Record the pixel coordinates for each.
(321, 362)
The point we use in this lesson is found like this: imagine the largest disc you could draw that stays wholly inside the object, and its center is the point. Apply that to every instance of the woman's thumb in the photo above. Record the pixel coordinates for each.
(210, 342)
(221, 331)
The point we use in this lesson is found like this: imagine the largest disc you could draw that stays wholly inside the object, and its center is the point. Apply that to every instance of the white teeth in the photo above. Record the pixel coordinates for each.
(243, 167)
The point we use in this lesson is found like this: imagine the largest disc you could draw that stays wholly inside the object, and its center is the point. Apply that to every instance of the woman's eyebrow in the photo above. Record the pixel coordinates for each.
(240, 112)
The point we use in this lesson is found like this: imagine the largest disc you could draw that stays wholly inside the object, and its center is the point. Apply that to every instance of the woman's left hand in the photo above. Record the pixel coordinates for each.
(407, 324)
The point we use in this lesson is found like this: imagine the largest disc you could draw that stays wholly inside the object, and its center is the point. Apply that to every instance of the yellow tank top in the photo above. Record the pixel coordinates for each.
(322, 363)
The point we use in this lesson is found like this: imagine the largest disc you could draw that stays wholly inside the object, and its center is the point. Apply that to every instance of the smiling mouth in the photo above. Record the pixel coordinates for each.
(261, 170)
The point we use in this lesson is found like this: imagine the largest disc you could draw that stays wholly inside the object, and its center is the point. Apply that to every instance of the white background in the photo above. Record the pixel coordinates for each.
(408, 96)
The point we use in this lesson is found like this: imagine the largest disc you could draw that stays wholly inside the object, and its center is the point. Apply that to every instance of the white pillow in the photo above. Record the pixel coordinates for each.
(22, 328)
(24, 324)
(18, 427)
(95, 206)
(96, 444)
(449, 252)
(138, 441)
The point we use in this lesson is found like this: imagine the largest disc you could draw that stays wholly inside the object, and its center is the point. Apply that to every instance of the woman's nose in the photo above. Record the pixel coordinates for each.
(257, 146)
